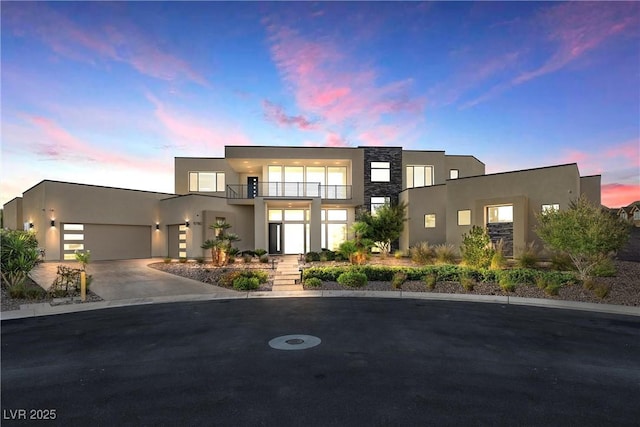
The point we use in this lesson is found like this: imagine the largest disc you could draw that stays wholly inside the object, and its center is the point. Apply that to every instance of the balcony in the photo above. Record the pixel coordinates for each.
(289, 190)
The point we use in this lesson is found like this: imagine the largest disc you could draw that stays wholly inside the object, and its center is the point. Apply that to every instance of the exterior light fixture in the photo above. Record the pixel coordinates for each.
(53, 223)
(186, 224)
(30, 225)
(157, 226)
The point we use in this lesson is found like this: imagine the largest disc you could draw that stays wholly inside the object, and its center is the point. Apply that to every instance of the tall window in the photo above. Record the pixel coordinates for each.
(636, 215)
(419, 176)
(380, 171)
(206, 181)
(377, 203)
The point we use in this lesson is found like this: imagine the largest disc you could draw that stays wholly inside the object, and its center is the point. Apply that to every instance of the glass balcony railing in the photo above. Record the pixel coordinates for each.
(290, 190)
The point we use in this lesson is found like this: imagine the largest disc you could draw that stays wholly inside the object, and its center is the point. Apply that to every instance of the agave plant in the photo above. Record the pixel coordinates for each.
(19, 255)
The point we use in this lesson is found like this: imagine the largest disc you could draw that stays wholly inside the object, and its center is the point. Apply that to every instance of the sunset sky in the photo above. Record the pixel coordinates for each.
(109, 93)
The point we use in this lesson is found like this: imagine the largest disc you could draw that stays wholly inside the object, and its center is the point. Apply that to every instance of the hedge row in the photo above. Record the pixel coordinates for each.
(444, 273)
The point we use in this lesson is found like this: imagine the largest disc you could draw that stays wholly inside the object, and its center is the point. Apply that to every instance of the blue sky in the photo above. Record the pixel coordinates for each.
(109, 93)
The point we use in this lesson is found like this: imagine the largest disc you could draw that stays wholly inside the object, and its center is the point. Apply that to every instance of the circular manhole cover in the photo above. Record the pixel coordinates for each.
(294, 342)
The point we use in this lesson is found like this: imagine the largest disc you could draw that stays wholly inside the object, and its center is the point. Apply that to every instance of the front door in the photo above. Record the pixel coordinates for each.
(252, 187)
(275, 238)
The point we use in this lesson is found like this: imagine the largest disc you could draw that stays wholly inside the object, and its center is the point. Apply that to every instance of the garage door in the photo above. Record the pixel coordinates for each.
(117, 241)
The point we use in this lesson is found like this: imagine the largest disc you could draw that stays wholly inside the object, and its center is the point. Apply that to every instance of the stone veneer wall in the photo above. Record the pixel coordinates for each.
(390, 189)
(504, 231)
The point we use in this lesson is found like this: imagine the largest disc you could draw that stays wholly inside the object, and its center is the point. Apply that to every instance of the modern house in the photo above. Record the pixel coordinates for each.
(291, 200)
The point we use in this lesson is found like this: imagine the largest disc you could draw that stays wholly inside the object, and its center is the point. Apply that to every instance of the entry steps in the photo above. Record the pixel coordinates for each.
(287, 276)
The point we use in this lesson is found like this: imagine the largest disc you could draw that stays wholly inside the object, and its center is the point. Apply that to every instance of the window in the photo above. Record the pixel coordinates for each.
(464, 217)
(294, 215)
(419, 176)
(430, 221)
(636, 215)
(275, 215)
(496, 214)
(551, 207)
(454, 174)
(623, 215)
(377, 203)
(380, 171)
(206, 181)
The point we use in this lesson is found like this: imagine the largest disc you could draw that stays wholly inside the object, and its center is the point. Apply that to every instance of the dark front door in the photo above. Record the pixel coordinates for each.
(252, 187)
(275, 238)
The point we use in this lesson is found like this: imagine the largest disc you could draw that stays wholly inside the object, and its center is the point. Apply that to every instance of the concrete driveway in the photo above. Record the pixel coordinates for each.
(129, 279)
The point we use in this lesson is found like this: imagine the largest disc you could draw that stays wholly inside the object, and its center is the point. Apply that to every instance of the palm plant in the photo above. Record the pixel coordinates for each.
(222, 244)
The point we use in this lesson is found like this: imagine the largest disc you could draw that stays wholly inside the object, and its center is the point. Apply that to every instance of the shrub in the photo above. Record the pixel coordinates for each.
(506, 283)
(264, 258)
(352, 279)
(589, 284)
(602, 290)
(445, 253)
(422, 253)
(182, 259)
(226, 280)
(247, 258)
(167, 260)
(83, 257)
(231, 259)
(476, 248)
(398, 279)
(430, 280)
(260, 252)
(35, 292)
(398, 254)
(17, 290)
(200, 260)
(498, 260)
(529, 256)
(604, 268)
(311, 257)
(552, 289)
(18, 255)
(541, 281)
(327, 255)
(467, 282)
(313, 282)
(244, 283)
(561, 262)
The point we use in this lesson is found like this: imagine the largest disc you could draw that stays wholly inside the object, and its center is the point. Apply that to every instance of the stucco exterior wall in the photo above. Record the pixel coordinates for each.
(422, 201)
(426, 158)
(184, 165)
(466, 165)
(590, 188)
(12, 214)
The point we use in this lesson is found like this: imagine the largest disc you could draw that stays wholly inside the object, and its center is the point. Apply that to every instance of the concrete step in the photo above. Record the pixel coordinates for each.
(286, 288)
(288, 276)
(277, 282)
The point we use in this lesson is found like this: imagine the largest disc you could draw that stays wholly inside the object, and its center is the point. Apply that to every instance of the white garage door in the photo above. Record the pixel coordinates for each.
(108, 242)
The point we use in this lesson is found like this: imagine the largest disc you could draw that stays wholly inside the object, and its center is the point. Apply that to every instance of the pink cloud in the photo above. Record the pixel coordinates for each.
(276, 114)
(625, 155)
(329, 84)
(617, 195)
(124, 43)
(194, 134)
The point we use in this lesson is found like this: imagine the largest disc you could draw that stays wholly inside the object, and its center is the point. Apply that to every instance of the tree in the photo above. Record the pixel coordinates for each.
(221, 245)
(385, 225)
(584, 232)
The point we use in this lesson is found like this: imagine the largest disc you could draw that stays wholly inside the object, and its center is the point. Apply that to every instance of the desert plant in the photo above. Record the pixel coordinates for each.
(220, 246)
(244, 283)
(422, 253)
(476, 248)
(352, 279)
(311, 256)
(561, 262)
(585, 232)
(384, 226)
(200, 260)
(398, 279)
(467, 281)
(313, 282)
(83, 257)
(552, 289)
(247, 258)
(327, 255)
(264, 258)
(589, 284)
(430, 280)
(35, 292)
(602, 290)
(445, 253)
(498, 260)
(259, 252)
(605, 268)
(507, 283)
(167, 260)
(18, 255)
(182, 259)
(529, 256)
(17, 290)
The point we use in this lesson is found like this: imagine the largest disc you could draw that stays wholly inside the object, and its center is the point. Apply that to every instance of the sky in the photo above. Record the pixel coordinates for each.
(109, 93)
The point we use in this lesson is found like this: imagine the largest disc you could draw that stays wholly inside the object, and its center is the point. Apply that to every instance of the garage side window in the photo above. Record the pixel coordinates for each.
(72, 240)
(206, 181)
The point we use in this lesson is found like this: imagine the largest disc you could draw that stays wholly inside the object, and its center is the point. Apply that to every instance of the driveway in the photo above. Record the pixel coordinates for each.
(130, 279)
(379, 363)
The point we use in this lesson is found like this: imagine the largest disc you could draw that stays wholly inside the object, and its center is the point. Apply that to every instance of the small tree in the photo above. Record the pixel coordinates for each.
(476, 249)
(221, 245)
(584, 232)
(385, 226)
(357, 249)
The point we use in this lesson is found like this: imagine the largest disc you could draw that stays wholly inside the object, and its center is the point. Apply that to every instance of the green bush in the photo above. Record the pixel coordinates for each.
(352, 279)
(182, 260)
(313, 282)
(398, 279)
(35, 293)
(327, 255)
(602, 290)
(18, 255)
(422, 253)
(445, 254)
(167, 260)
(311, 257)
(498, 260)
(476, 248)
(552, 289)
(604, 268)
(226, 280)
(467, 282)
(430, 280)
(264, 258)
(260, 252)
(244, 283)
(561, 262)
(17, 290)
(519, 276)
(247, 258)
(529, 256)
(506, 284)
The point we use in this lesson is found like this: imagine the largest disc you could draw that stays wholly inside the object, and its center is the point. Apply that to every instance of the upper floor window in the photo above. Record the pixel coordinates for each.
(380, 171)
(464, 217)
(636, 215)
(206, 181)
(454, 174)
(551, 207)
(419, 176)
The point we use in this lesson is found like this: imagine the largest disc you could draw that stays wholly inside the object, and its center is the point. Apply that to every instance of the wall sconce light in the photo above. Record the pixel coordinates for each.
(53, 223)
(157, 226)
(186, 224)
(30, 225)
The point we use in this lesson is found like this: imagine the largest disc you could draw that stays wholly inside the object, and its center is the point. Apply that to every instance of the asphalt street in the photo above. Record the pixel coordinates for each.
(379, 362)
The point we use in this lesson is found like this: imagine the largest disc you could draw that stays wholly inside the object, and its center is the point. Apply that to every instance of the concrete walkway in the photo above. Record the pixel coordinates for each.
(130, 279)
(287, 276)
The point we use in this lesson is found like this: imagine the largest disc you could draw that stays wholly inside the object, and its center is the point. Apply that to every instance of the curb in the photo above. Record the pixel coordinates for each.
(45, 309)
